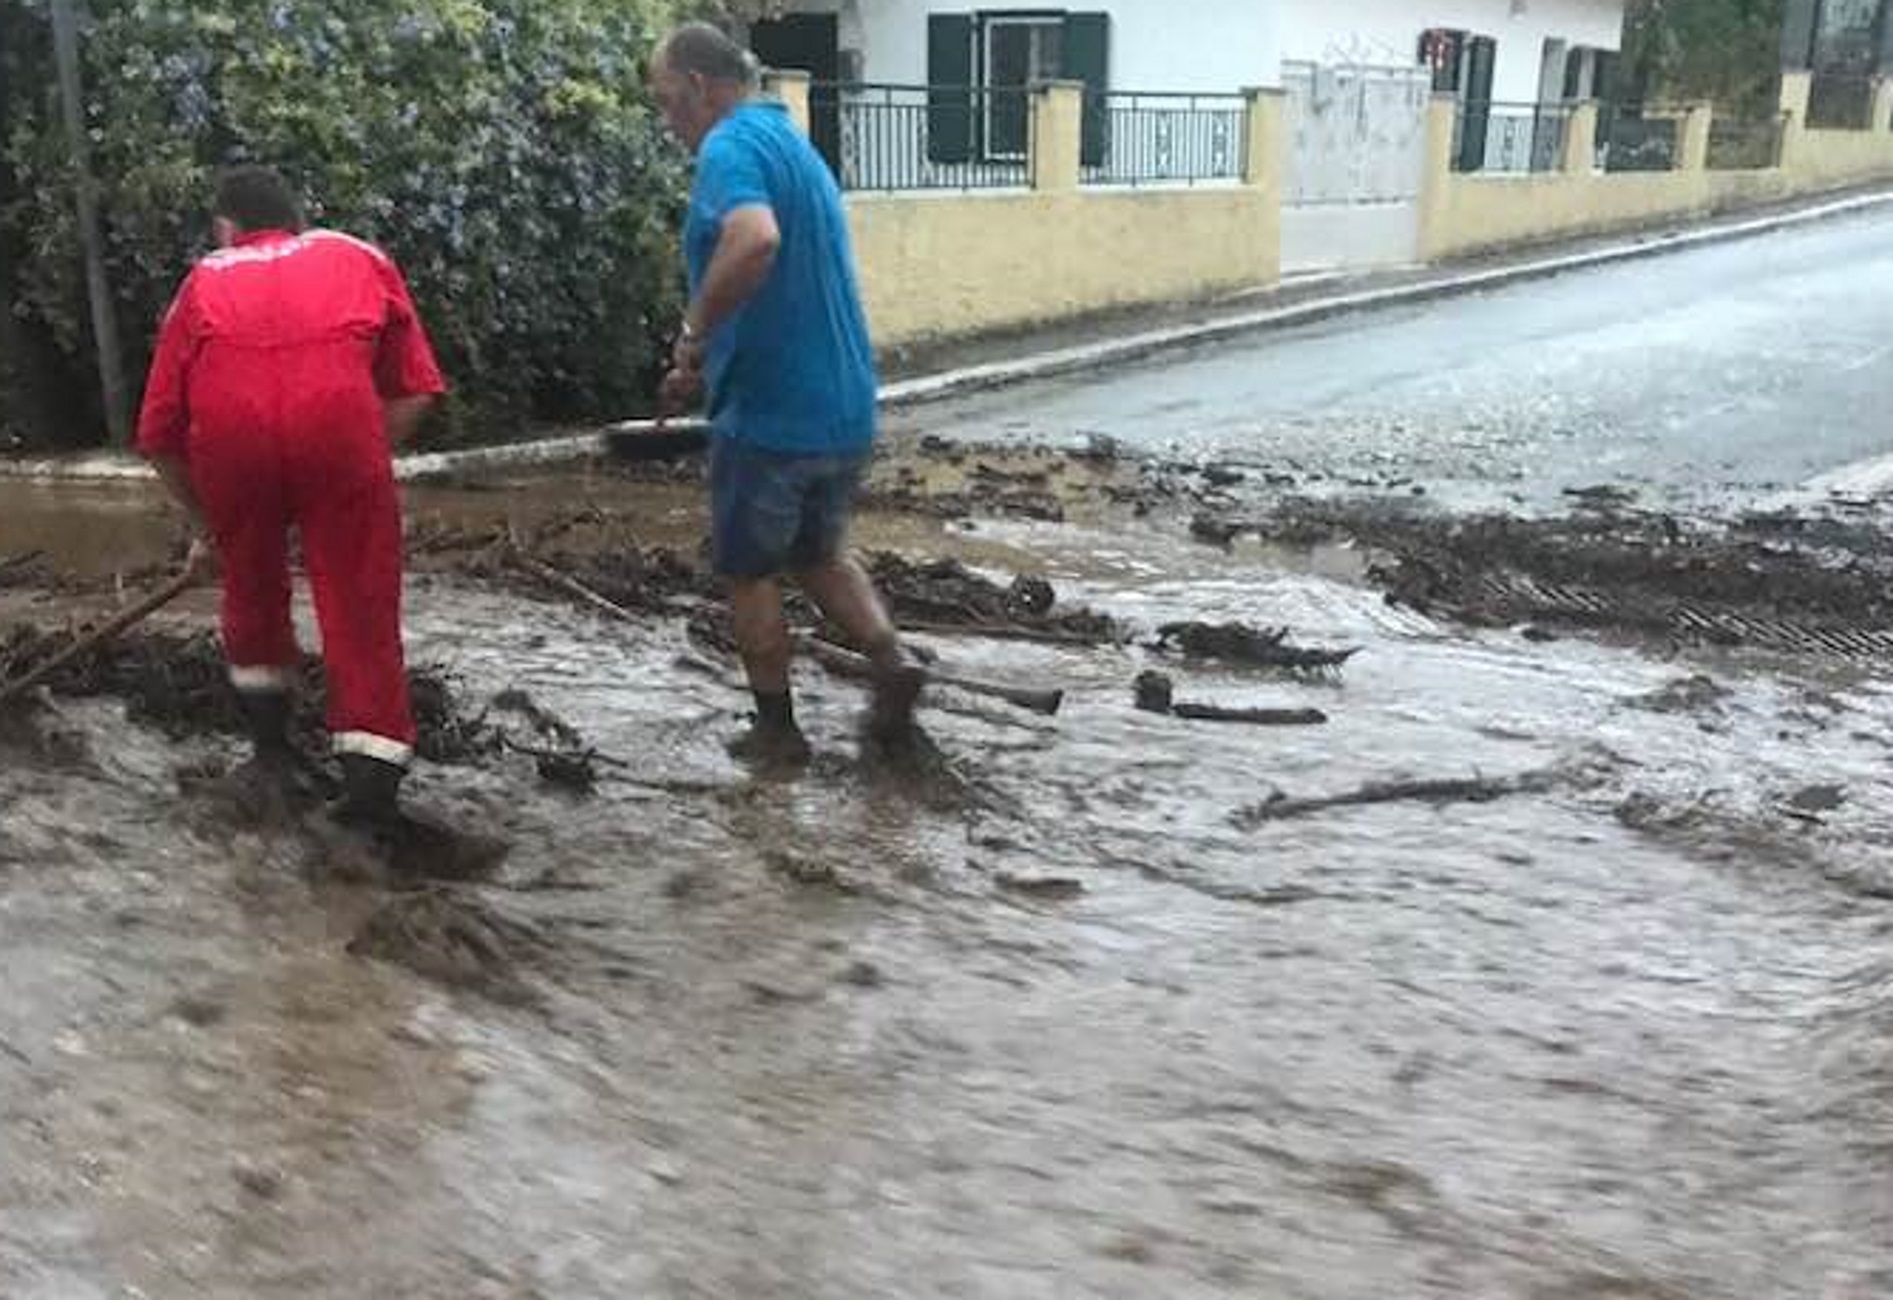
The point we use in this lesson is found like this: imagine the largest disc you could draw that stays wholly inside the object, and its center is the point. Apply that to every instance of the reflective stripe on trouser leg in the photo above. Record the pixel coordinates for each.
(259, 681)
(369, 745)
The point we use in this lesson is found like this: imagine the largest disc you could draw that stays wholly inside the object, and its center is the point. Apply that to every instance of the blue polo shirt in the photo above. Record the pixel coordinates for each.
(793, 370)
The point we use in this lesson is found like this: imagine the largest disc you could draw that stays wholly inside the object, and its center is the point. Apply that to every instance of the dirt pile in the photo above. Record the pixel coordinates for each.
(1025, 491)
(1767, 582)
(178, 684)
(1242, 646)
(946, 594)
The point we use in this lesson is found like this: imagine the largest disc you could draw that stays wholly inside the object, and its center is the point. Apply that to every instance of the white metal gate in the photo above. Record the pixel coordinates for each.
(1357, 154)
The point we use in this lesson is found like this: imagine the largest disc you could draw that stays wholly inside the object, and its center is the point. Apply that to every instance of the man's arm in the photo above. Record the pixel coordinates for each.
(406, 374)
(733, 191)
(164, 419)
(745, 254)
(403, 416)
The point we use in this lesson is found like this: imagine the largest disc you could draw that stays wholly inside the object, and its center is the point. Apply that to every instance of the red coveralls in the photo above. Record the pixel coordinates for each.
(269, 378)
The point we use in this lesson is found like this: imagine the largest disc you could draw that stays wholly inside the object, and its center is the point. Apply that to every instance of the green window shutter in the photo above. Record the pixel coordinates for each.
(1087, 58)
(949, 93)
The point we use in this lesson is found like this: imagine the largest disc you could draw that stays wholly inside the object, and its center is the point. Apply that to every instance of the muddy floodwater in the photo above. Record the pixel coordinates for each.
(1108, 1004)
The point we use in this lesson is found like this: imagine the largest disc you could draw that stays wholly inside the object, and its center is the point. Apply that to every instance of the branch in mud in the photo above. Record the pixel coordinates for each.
(1282, 807)
(999, 632)
(1156, 693)
(849, 663)
(577, 769)
(92, 641)
(1234, 643)
(836, 659)
(15, 567)
(942, 595)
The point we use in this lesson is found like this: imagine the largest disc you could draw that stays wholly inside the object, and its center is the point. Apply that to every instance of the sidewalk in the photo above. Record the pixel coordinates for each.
(932, 373)
(994, 362)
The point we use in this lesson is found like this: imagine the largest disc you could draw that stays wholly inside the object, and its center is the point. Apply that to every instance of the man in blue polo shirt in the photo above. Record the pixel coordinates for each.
(776, 337)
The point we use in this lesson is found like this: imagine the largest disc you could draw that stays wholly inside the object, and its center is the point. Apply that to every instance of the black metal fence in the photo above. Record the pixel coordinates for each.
(1841, 101)
(1632, 138)
(1510, 139)
(892, 137)
(1147, 138)
(1746, 145)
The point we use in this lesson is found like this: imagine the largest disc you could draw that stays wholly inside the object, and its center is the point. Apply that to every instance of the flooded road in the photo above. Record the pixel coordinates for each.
(1751, 365)
(1074, 1015)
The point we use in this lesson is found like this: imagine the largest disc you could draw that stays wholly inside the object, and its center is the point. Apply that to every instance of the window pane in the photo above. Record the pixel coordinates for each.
(1048, 43)
(1009, 47)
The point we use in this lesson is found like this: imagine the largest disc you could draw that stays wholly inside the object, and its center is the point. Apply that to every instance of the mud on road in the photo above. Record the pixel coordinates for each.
(1551, 961)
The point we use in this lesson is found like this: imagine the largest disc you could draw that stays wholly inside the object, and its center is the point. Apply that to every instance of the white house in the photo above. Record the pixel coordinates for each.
(926, 94)
(1509, 51)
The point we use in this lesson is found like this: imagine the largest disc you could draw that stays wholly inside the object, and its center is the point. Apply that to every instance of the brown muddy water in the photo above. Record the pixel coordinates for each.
(1054, 1020)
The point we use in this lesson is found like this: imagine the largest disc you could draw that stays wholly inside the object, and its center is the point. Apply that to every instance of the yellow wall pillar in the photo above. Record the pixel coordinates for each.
(1797, 90)
(1437, 180)
(1580, 140)
(1266, 157)
(1264, 168)
(1057, 147)
(792, 88)
(1692, 142)
(1882, 104)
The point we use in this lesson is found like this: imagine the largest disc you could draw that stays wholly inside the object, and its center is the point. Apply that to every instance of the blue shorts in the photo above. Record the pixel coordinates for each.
(775, 512)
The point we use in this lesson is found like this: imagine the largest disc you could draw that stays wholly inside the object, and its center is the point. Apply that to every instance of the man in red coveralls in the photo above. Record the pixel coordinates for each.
(289, 365)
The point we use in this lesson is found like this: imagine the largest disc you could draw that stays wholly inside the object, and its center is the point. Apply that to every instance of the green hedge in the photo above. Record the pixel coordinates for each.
(502, 150)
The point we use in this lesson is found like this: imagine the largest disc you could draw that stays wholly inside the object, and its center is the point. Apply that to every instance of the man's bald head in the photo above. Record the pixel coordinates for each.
(699, 49)
(698, 76)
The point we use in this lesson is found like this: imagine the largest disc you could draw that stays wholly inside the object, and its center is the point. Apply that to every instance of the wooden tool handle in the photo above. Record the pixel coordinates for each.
(116, 626)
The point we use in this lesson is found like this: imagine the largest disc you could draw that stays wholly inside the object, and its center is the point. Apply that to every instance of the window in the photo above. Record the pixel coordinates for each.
(1586, 72)
(1462, 65)
(1023, 50)
(1019, 52)
(1003, 55)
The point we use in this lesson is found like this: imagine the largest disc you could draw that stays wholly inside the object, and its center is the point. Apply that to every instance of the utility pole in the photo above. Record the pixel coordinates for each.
(98, 287)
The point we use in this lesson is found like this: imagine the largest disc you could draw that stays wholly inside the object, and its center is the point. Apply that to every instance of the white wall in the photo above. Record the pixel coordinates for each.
(1388, 32)
(1219, 46)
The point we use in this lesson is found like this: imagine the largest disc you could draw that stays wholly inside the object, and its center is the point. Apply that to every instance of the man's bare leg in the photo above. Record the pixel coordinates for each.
(845, 593)
(762, 637)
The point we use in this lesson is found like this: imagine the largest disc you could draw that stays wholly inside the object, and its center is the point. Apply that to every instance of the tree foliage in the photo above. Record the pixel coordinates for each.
(1728, 51)
(503, 150)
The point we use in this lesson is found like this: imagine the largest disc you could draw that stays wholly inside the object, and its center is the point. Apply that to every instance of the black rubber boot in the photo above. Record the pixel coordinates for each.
(370, 790)
(266, 716)
(772, 745)
(412, 844)
(896, 691)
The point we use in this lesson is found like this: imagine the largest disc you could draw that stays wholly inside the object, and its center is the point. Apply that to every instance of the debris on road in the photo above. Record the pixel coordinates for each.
(945, 594)
(1234, 643)
(1785, 584)
(1282, 807)
(1156, 693)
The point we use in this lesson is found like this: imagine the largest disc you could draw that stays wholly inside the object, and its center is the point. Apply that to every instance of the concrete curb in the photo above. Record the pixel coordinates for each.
(969, 379)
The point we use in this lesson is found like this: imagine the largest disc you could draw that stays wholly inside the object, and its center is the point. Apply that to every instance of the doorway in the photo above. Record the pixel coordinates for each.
(808, 43)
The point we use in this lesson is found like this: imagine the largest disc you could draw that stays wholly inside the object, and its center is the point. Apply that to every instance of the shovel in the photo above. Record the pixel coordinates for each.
(115, 627)
(644, 442)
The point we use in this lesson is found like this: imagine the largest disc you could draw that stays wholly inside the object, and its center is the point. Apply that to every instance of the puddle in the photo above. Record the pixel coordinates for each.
(1088, 1033)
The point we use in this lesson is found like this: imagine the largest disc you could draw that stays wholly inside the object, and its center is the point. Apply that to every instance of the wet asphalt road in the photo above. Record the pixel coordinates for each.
(1730, 370)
